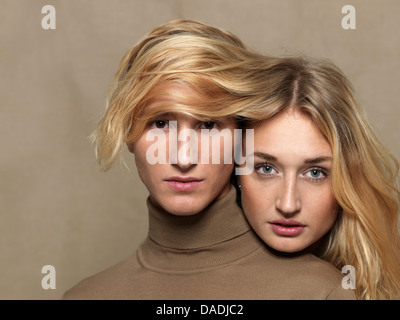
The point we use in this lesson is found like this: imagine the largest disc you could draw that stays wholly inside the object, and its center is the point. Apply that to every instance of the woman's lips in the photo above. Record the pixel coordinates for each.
(183, 183)
(287, 228)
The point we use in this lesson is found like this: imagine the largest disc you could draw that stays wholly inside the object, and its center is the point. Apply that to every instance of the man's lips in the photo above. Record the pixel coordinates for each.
(183, 179)
(284, 227)
(183, 183)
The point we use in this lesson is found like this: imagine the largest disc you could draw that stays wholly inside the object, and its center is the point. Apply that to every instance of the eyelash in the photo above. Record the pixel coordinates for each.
(259, 166)
(153, 124)
(216, 124)
(321, 170)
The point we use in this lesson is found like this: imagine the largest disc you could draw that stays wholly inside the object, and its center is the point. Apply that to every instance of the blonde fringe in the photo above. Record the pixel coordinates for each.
(365, 174)
(211, 61)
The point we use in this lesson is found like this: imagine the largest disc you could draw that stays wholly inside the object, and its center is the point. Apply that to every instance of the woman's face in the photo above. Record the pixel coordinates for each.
(188, 181)
(288, 198)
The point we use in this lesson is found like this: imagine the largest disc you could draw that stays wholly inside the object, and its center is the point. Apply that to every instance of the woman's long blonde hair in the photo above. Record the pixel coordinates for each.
(365, 175)
(211, 61)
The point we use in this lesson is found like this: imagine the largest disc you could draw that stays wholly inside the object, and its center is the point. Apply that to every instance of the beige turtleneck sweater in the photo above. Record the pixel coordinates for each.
(211, 255)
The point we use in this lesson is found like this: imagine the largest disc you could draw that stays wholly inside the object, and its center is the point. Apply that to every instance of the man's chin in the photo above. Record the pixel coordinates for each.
(185, 205)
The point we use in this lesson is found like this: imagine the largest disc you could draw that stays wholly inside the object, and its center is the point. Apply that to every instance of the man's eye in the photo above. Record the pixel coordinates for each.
(160, 124)
(209, 125)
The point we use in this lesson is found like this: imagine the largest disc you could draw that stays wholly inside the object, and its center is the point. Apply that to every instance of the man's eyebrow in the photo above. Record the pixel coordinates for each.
(269, 157)
(158, 116)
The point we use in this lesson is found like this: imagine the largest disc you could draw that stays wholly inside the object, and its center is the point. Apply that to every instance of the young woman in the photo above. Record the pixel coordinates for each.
(183, 79)
(321, 179)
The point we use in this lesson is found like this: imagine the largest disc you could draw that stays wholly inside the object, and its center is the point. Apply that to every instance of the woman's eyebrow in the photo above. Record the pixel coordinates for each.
(265, 156)
(315, 160)
(318, 160)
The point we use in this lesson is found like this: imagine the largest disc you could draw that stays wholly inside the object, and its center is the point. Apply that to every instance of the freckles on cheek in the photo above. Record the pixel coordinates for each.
(325, 211)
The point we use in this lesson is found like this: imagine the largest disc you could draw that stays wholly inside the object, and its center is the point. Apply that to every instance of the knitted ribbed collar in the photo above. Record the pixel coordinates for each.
(218, 235)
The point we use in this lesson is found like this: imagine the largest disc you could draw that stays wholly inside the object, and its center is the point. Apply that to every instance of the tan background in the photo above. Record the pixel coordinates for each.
(56, 208)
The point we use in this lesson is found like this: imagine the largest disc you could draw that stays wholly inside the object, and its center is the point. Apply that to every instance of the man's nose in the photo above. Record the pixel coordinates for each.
(187, 148)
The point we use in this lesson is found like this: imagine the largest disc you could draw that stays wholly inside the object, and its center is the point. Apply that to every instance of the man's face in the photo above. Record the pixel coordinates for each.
(185, 184)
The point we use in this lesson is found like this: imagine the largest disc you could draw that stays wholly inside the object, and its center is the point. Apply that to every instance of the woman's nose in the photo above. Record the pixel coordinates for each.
(288, 201)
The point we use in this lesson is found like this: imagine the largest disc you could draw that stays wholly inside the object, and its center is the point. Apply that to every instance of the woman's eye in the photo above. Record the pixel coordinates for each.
(160, 124)
(209, 125)
(265, 169)
(317, 174)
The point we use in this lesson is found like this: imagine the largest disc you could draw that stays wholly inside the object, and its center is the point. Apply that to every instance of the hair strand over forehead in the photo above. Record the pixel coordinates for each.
(211, 61)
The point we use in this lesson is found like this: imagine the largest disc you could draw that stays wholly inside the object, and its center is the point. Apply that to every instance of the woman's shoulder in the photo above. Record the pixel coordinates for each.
(324, 274)
(306, 276)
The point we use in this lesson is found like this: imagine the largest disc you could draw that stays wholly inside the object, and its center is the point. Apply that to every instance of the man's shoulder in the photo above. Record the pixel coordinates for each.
(106, 283)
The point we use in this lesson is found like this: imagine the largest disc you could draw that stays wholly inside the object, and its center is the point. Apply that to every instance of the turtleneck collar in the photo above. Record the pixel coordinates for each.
(213, 237)
(220, 221)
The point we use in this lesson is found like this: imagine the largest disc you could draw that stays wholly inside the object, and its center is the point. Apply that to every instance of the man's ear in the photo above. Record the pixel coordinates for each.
(131, 147)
